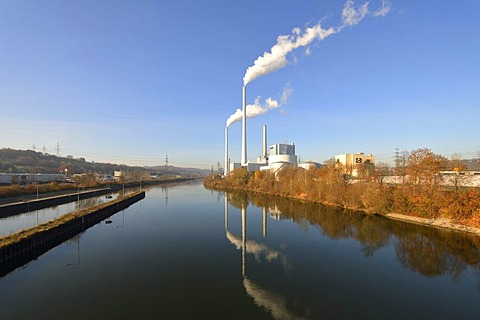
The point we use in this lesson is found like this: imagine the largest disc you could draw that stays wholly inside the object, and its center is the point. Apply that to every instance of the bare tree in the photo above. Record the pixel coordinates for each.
(382, 170)
(458, 166)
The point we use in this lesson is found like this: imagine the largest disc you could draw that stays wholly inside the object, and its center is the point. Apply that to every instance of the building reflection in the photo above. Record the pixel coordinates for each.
(264, 297)
(76, 263)
(422, 249)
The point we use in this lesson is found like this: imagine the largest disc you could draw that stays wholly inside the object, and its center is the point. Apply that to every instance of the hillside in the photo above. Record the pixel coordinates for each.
(29, 161)
(186, 172)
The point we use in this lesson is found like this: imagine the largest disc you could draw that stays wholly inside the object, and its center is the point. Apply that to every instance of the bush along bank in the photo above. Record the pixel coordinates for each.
(417, 200)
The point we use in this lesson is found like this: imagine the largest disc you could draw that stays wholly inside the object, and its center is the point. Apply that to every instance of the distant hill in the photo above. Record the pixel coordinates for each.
(185, 172)
(472, 164)
(30, 161)
(21, 161)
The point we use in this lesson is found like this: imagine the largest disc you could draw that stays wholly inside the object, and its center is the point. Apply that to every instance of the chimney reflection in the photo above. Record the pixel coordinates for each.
(263, 297)
(244, 237)
(226, 212)
(264, 220)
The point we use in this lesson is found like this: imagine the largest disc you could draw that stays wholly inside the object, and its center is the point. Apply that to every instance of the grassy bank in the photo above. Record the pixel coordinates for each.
(25, 234)
(328, 185)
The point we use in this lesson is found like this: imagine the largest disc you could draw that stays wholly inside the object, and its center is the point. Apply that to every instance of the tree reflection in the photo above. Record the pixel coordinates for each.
(428, 251)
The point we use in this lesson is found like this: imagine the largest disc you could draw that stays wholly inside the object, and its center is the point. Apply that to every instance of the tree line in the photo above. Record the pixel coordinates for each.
(427, 251)
(17, 161)
(420, 193)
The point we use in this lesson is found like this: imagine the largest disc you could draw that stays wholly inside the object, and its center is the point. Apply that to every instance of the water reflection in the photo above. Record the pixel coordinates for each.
(14, 223)
(425, 250)
(75, 239)
(264, 297)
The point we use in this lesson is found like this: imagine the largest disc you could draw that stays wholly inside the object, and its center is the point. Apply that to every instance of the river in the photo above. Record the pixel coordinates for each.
(185, 252)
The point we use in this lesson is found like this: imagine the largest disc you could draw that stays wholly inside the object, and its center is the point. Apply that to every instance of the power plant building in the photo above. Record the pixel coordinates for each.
(281, 155)
(350, 162)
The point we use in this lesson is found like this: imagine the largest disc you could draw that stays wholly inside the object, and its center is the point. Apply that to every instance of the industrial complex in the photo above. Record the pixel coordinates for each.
(281, 155)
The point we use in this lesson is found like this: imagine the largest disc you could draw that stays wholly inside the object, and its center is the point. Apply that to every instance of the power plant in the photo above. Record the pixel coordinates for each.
(273, 158)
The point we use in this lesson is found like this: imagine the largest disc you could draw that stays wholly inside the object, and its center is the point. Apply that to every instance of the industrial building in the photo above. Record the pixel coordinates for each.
(276, 157)
(351, 162)
(281, 156)
(27, 178)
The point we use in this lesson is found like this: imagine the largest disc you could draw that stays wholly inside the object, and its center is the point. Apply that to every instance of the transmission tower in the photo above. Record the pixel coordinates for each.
(34, 148)
(57, 148)
(397, 157)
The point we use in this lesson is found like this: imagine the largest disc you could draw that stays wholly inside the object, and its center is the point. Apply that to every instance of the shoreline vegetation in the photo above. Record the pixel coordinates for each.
(28, 233)
(82, 184)
(420, 199)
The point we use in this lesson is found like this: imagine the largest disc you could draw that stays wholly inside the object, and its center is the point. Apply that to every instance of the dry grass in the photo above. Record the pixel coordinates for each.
(27, 233)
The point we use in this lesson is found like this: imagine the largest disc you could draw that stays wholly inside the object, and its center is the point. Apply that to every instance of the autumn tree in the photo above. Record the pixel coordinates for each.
(423, 166)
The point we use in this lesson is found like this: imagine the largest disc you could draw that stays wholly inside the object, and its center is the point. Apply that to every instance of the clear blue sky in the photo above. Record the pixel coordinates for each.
(132, 81)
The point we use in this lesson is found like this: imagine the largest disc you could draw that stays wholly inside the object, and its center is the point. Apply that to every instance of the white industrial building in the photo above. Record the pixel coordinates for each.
(275, 158)
(351, 161)
(26, 178)
(281, 156)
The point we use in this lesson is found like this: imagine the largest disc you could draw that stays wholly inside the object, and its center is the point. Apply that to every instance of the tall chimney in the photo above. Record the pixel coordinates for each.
(225, 170)
(264, 150)
(244, 128)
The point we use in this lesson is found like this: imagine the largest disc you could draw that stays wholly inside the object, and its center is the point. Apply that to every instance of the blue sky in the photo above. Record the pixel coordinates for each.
(132, 81)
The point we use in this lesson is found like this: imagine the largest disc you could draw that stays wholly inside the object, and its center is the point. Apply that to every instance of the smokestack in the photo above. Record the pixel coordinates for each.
(244, 128)
(225, 171)
(264, 150)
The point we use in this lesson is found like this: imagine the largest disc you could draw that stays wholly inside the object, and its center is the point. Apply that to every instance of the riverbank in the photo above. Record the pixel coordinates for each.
(14, 208)
(443, 223)
(23, 246)
(13, 193)
(370, 198)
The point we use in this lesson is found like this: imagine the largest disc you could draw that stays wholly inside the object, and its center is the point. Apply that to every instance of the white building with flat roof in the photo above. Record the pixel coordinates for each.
(350, 162)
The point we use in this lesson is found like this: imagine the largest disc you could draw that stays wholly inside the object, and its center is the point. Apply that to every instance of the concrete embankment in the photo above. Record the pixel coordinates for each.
(22, 247)
(442, 223)
(14, 208)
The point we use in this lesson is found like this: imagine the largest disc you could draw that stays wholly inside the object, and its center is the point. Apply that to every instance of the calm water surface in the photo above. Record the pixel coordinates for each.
(185, 252)
(13, 224)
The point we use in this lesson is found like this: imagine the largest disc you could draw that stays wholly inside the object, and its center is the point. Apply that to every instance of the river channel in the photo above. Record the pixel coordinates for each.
(16, 223)
(185, 252)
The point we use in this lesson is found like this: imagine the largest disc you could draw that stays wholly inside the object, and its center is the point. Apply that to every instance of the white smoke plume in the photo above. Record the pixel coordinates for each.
(287, 91)
(257, 108)
(277, 57)
(253, 110)
(352, 16)
(382, 12)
